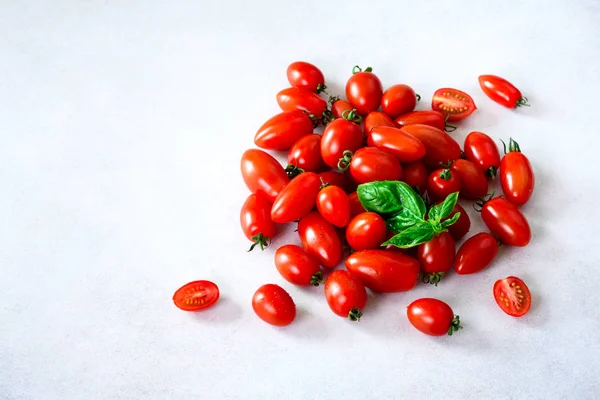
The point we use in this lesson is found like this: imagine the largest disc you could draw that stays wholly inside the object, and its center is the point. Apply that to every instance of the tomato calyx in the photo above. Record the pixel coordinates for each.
(324, 184)
(447, 127)
(355, 314)
(455, 325)
(491, 172)
(316, 279)
(523, 101)
(356, 69)
(478, 206)
(260, 240)
(352, 116)
(513, 146)
(446, 174)
(321, 88)
(344, 162)
(434, 278)
(293, 171)
(313, 118)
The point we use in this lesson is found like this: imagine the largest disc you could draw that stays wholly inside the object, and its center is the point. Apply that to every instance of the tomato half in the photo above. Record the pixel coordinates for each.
(415, 175)
(370, 164)
(339, 136)
(506, 222)
(255, 219)
(366, 231)
(440, 147)
(296, 199)
(476, 253)
(481, 150)
(283, 130)
(355, 205)
(263, 174)
(306, 154)
(298, 267)
(433, 317)
(425, 117)
(291, 99)
(376, 118)
(345, 294)
(302, 74)
(333, 204)
(512, 296)
(516, 175)
(335, 178)
(364, 91)
(441, 183)
(196, 296)
(398, 99)
(405, 147)
(502, 91)
(455, 104)
(462, 226)
(274, 305)
(384, 271)
(320, 239)
(339, 106)
(436, 256)
(473, 182)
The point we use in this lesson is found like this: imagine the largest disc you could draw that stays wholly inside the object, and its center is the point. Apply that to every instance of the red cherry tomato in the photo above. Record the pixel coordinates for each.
(196, 296)
(370, 164)
(384, 271)
(304, 75)
(306, 154)
(366, 231)
(433, 317)
(283, 130)
(516, 175)
(426, 117)
(296, 199)
(255, 219)
(462, 225)
(415, 175)
(346, 295)
(338, 179)
(454, 103)
(506, 222)
(481, 150)
(339, 106)
(473, 182)
(439, 146)
(274, 305)
(398, 99)
(441, 183)
(334, 205)
(339, 136)
(320, 239)
(512, 296)
(476, 253)
(263, 174)
(355, 205)
(502, 91)
(297, 266)
(376, 118)
(436, 256)
(291, 99)
(403, 146)
(364, 90)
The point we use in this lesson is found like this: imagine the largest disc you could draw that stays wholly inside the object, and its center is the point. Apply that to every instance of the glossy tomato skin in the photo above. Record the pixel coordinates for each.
(305, 75)
(376, 118)
(306, 153)
(506, 222)
(476, 253)
(474, 184)
(274, 305)
(481, 150)
(405, 147)
(320, 239)
(398, 99)
(431, 316)
(516, 178)
(437, 255)
(425, 117)
(338, 179)
(196, 296)
(333, 204)
(441, 183)
(296, 266)
(340, 135)
(384, 271)
(364, 91)
(296, 199)
(283, 130)
(255, 219)
(439, 146)
(291, 99)
(454, 103)
(355, 205)
(370, 164)
(501, 91)
(462, 226)
(366, 231)
(263, 174)
(345, 294)
(415, 175)
(339, 106)
(512, 296)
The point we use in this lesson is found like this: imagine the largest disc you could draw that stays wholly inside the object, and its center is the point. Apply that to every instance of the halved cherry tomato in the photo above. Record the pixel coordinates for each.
(302, 74)
(516, 175)
(255, 219)
(364, 90)
(405, 147)
(436, 257)
(441, 183)
(476, 253)
(297, 266)
(274, 305)
(506, 222)
(339, 136)
(473, 182)
(306, 154)
(481, 150)
(440, 147)
(502, 91)
(366, 231)
(355, 205)
(339, 106)
(462, 225)
(333, 204)
(335, 178)
(433, 317)
(346, 295)
(455, 104)
(384, 271)
(370, 164)
(291, 99)
(415, 175)
(263, 174)
(196, 296)
(376, 118)
(320, 239)
(283, 130)
(425, 117)
(398, 99)
(296, 199)
(512, 296)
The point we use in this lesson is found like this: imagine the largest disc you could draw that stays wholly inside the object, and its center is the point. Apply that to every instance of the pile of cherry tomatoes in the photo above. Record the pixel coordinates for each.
(380, 189)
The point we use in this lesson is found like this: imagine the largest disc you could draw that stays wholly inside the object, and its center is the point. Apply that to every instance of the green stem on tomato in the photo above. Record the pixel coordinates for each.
(455, 325)
(260, 240)
(355, 314)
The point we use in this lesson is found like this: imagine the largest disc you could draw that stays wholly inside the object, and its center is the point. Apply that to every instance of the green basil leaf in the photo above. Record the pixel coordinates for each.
(415, 235)
(451, 221)
(380, 197)
(448, 205)
(412, 202)
(435, 213)
(400, 222)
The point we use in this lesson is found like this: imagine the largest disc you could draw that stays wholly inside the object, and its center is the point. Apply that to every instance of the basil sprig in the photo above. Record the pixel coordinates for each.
(404, 211)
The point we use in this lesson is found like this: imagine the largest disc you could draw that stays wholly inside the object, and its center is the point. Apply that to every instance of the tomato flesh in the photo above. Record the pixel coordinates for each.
(454, 103)
(196, 296)
(513, 296)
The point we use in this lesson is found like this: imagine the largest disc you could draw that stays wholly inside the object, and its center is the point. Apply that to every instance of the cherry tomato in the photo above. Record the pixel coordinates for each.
(512, 296)
(481, 150)
(476, 253)
(274, 305)
(338, 179)
(255, 218)
(366, 231)
(433, 317)
(339, 106)
(436, 256)
(296, 199)
(370, 164)
(283, 130)
(415, 175)
(345, 294)
(516, 175)
(473, 182)
(364, 90)
(306, 154)
(297, 266)
(263, 174)
(440, 147)
(405, 147)
(506, 222)
(398, 99)
(502, 91)
(304, 75)
(384, 271)
(426, 117)
(462, 225)
(376, 118)
(196, 296)
(291, 99)
(441, 183)
(334, 205)
(339, 136)
(320, 239)
(355, 205)
(454, 103)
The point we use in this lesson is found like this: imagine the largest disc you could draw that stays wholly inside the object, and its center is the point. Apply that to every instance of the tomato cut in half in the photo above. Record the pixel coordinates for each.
(196, 296)
(455, 104)
(512, 296)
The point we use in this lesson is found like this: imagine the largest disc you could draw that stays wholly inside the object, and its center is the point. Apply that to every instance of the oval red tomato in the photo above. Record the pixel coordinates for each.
(306, 154)
(415, 175)
(338, 107)
(263, 174)
(441, 183)
(481, 150)
(384, 271)
(364, 91)
(302, 74)
(296, 199)
(512, 296)
(516, 176)
(376, 118)
(291, 99)
(274, 305)
(502, 91)
(339, 136)
(473, 182)
(425, 117)
(405, 147)
(366, 231)
(196, 296)
(506, 222)
(440, 147)
(370, 164)
(398, 99)
(454, 103)
(355, 205)
(297, 266)
(320, 239)
(476, 253)
(345, 295)
(333, 204)
(436, 256)
(433, 317)
(462, 225)
(283, 130)
(255, 219)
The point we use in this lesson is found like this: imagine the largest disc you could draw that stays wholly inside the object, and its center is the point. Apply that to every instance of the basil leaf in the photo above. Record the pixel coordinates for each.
(437, 212)
(380, 197)
(412, 202)
(400, 222)
(415, 235)
(451, 221)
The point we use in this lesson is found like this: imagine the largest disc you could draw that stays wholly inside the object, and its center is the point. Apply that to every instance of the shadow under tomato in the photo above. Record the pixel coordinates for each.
(224, 311)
